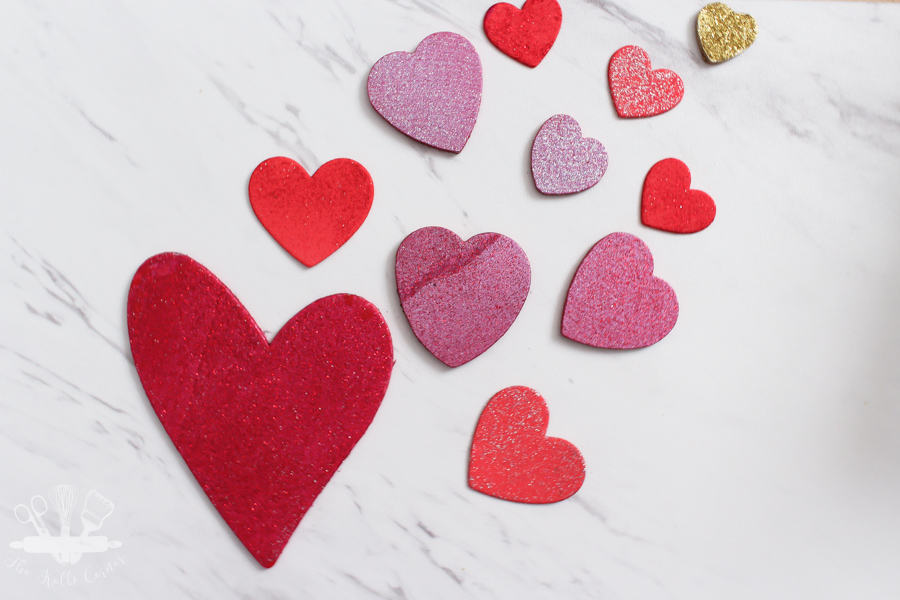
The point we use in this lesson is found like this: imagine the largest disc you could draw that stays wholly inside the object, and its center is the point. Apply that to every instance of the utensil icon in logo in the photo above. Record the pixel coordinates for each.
(34, 516)
(64, 548)
(96, 509)
(63, 498)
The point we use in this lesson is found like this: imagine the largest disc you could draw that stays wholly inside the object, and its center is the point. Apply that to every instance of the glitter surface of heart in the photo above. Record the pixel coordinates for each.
(311, 217)
(669, 203)
(563, 162)
(724, 33)
(525, 34)
(460, 296)
(262, 426)
(615, 301)
(513, 459)
(637, 90)
(432, 95)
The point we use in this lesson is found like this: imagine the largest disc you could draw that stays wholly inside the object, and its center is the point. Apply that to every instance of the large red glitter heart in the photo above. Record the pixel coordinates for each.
(513, 459)
(636, 90)
(460, 296)
(263, 426)
(615, 301)
(525, 35)
(311, 217)
(669, 203)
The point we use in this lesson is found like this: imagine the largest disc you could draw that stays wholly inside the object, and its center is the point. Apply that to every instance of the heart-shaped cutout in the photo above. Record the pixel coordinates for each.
(615, 301)
(512, 457)
(311, 217)
(525, 34)
(724, 33)
(262, 426)
(563, 162)
(669, 203)
(460, 296)
(637, 90)
(432, 95)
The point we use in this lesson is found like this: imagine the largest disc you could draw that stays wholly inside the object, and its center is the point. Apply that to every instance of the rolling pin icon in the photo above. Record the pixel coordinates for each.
(36, 544)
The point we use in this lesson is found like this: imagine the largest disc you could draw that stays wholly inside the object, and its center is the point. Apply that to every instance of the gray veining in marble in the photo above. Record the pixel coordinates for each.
(753, 453)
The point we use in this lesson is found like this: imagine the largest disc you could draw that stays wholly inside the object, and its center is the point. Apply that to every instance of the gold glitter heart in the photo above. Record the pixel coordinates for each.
(724, 33)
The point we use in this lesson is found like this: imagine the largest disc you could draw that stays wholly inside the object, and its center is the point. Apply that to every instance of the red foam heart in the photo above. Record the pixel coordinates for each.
(513, 459)
(669, 203)
(525, 35)
(311, 217)
(615, 301)
(263, 426)
(636, 90)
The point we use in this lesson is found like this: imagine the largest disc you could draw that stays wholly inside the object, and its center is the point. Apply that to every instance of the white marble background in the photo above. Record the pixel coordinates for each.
(753, 453)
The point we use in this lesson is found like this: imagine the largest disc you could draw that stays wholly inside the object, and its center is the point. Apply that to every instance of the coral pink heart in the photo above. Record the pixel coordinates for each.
(460, 296)
(513, 459)
(669, 203)
(432, 95)
(636, 90)
(525, 35)
(311, 217)
(615, 301)
(563, 162)
(262, 426)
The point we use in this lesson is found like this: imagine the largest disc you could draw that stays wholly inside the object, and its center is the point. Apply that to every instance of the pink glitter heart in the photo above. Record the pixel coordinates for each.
(460, 296)
(432, 95)
(615, 301)
(563, 162)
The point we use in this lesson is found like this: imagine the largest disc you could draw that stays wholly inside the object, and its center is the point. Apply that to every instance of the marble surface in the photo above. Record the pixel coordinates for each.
(753, 453)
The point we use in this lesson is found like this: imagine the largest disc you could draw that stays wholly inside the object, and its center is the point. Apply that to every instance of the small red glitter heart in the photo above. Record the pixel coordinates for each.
(512, 458)
(669, 203)
(311, 217)
(636, 90)
(615, 301)
(525, 35)
(262, 426)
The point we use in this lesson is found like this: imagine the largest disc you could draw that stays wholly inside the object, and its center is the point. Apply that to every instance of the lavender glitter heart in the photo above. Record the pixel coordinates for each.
(563, 162)
(615, 301)
(432, 95)
(460, 296)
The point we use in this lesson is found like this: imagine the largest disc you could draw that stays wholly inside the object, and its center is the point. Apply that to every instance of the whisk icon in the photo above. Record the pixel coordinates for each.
(63, 498)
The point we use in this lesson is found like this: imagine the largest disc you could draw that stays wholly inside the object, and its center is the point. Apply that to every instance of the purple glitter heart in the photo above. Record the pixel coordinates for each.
(615, 301)
(460, 296)
(563, 162)
(432, 95)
